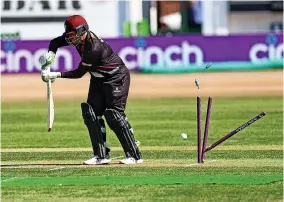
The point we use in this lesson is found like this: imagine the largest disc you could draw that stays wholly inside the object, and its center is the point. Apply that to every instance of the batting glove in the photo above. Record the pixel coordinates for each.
(46, 59)
(46, 75)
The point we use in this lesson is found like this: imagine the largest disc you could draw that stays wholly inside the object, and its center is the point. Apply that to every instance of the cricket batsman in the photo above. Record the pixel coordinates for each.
(108, 90)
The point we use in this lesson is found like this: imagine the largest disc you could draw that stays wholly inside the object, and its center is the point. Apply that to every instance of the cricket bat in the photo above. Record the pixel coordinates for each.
(50, 107)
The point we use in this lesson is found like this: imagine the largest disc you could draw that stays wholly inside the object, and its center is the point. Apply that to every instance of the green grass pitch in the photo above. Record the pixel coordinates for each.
(41, 166)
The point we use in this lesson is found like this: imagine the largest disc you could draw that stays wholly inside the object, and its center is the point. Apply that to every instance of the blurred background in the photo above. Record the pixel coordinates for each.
(150, 36)
(37, 19)
(166, 45)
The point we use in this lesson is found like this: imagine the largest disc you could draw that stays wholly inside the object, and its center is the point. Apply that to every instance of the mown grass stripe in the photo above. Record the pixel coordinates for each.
(159, 155)
(150, 148)
(139, 180)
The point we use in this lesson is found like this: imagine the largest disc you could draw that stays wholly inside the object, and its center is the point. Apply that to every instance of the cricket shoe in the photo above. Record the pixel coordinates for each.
(131, 160)
(96, 161)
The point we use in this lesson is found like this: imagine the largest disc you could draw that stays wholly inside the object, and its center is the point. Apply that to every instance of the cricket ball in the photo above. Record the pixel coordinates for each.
(183, 136)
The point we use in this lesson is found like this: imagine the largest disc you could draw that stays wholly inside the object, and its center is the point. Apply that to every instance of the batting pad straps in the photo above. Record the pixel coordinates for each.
(103, 128)
(94, 129)
(121, 128)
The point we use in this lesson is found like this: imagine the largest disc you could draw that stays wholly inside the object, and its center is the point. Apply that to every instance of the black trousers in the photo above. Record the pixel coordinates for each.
(110, 92)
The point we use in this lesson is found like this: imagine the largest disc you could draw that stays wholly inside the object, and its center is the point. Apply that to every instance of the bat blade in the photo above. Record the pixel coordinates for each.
(50, 107)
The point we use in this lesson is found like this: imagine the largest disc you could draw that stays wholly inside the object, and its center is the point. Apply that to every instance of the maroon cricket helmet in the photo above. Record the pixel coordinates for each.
(75, 23)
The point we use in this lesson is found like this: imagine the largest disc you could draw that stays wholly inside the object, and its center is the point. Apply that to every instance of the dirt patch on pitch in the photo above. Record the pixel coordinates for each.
(18, 88)
(61, 165)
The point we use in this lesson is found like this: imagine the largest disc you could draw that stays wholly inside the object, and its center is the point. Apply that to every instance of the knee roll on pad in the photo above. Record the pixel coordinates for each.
(103, 131)
(124, 134)
(94, 129)
(114, 119)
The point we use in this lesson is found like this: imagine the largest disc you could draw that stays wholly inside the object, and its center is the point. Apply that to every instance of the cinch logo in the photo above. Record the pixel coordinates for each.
(262, 52)
(23, 60)
(171, 56)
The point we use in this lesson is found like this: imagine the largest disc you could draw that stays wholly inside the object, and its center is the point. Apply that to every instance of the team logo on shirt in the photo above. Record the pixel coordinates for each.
(117, 90)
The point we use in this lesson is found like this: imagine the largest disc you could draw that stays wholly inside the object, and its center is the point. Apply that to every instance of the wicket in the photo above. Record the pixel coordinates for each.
(202, 150)
(262, 114)
(199, 130)
(207, 122)
(201, 147)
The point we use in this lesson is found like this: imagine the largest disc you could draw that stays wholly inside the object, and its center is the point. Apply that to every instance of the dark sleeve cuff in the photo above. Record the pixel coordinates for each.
(74, 74)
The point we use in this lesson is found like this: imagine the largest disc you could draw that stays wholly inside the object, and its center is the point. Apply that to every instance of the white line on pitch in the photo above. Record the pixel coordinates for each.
(56, 168)
(118, 157)
(13, 178)
(211, 161)
(199, 164)
(82, 164)
(191, 165)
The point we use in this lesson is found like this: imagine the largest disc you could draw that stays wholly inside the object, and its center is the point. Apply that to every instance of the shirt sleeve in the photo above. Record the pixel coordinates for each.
(75, 74)
(57, 43)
